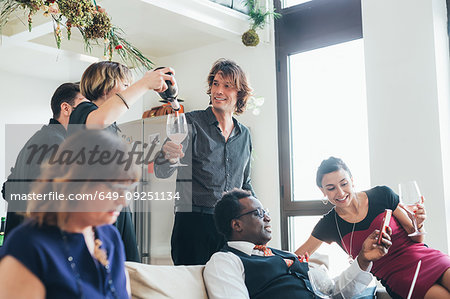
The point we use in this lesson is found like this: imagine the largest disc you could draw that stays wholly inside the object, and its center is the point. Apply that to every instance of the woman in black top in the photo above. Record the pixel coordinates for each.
(107, 86)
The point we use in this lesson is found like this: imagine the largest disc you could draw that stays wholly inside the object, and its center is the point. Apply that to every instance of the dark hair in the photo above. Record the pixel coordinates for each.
(230, 70)
(329, 165)
(227, 208)
(65, 93)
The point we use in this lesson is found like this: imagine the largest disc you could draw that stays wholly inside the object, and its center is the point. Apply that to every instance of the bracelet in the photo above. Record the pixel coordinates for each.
(123, 100)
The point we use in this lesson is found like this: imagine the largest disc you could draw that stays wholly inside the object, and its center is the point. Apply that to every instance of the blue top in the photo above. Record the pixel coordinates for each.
(43, 251)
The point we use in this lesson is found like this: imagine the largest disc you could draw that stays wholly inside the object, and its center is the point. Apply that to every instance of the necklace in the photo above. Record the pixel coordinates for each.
(99, 254)
(349, 252)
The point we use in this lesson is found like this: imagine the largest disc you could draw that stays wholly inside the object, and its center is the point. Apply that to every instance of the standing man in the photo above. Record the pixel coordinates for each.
(218, 159)
(28, 165)
(247, 268)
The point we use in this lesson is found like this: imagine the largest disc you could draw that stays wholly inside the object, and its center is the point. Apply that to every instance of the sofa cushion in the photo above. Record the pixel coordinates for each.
(155, 281)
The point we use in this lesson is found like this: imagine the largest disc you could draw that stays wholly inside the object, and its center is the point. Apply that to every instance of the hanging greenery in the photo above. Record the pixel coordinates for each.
(259, 18)
(91, 20)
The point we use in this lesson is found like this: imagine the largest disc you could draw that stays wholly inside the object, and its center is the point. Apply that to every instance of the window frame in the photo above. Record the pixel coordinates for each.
(305, 27)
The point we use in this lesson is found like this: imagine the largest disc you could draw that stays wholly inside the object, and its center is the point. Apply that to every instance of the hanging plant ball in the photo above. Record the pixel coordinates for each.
(250, 38)
(101, 25)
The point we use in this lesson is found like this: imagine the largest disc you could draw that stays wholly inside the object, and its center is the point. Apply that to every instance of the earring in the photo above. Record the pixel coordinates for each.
(324, 200)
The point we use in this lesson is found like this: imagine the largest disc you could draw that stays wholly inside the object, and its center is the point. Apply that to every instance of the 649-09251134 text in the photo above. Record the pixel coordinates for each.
(97, 195)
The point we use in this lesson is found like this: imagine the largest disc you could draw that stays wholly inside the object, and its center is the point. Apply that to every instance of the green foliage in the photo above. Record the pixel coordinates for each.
(258, 16)
(90, 19)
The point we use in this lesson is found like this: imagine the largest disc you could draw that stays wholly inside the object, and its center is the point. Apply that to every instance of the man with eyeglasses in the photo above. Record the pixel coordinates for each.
(247, 268)
(28, 167)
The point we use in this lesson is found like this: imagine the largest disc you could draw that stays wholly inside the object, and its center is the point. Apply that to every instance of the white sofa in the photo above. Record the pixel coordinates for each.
(160, 281)
(179, 282)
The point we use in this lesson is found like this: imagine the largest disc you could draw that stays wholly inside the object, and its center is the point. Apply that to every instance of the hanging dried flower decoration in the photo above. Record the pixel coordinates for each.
(90, 19)
(100, 26)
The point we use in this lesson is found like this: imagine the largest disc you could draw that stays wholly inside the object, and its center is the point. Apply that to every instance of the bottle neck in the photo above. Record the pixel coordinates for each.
(175, 105)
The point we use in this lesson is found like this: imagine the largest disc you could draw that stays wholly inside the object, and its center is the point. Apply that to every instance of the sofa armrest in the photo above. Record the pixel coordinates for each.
(154, 281)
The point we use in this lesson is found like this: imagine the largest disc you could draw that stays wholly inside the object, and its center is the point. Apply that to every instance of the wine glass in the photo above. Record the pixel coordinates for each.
(409, 197)
(322, 284)
(177, 130)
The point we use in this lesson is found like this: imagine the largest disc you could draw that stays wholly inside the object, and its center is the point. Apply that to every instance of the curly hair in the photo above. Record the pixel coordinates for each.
(233, 72)
(227, 208)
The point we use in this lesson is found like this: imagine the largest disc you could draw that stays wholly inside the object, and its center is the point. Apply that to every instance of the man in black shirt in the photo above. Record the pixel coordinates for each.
(219, 160)
(28, 164)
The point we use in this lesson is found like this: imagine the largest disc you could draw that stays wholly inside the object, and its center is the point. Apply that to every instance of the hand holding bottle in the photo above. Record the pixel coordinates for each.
(157, 78)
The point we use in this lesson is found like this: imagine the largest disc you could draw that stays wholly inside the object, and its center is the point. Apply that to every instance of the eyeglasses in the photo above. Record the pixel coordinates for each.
(257, 212)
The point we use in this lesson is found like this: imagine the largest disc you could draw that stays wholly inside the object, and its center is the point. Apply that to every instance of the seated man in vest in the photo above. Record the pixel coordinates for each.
(242, 270)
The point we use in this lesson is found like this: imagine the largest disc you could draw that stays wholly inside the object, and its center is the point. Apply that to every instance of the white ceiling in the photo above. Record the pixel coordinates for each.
(157, 27)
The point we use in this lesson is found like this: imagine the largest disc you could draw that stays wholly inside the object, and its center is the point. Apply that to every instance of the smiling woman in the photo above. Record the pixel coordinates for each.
(356, 214)
(69, 249)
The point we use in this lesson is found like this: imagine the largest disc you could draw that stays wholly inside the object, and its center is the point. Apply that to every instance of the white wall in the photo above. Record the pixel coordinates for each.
(23, 100)
(407, 65)
(192, 69)
(26, 100)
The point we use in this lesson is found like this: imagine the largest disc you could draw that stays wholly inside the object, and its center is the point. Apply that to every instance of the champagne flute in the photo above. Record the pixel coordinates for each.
(323, 286)
(177, 130)
(409, 197)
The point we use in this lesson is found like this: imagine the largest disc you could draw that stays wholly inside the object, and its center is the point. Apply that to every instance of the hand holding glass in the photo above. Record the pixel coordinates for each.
(409, 197)
(177, 130)
(322, 284)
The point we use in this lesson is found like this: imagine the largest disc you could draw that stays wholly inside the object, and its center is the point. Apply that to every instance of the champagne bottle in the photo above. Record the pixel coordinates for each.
(2, 230)
(171, 93)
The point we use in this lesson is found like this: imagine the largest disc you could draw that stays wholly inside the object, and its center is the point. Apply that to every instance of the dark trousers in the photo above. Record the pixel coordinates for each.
(194, 238)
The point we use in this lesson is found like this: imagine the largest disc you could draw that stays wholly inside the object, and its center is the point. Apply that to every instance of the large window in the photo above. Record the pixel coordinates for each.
(328, 114)
(289, 3)
(321, 107)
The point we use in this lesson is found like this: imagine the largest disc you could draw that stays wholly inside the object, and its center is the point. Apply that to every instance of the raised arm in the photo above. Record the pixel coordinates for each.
(115, 107)
(310, 246)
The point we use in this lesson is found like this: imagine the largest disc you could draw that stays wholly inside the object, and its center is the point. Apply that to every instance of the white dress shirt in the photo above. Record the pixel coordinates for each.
(225, 276)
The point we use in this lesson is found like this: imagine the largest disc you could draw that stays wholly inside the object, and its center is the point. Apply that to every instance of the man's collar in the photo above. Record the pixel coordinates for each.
(54, 122)
(244, 246)
(212, 120)
(211, 117)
